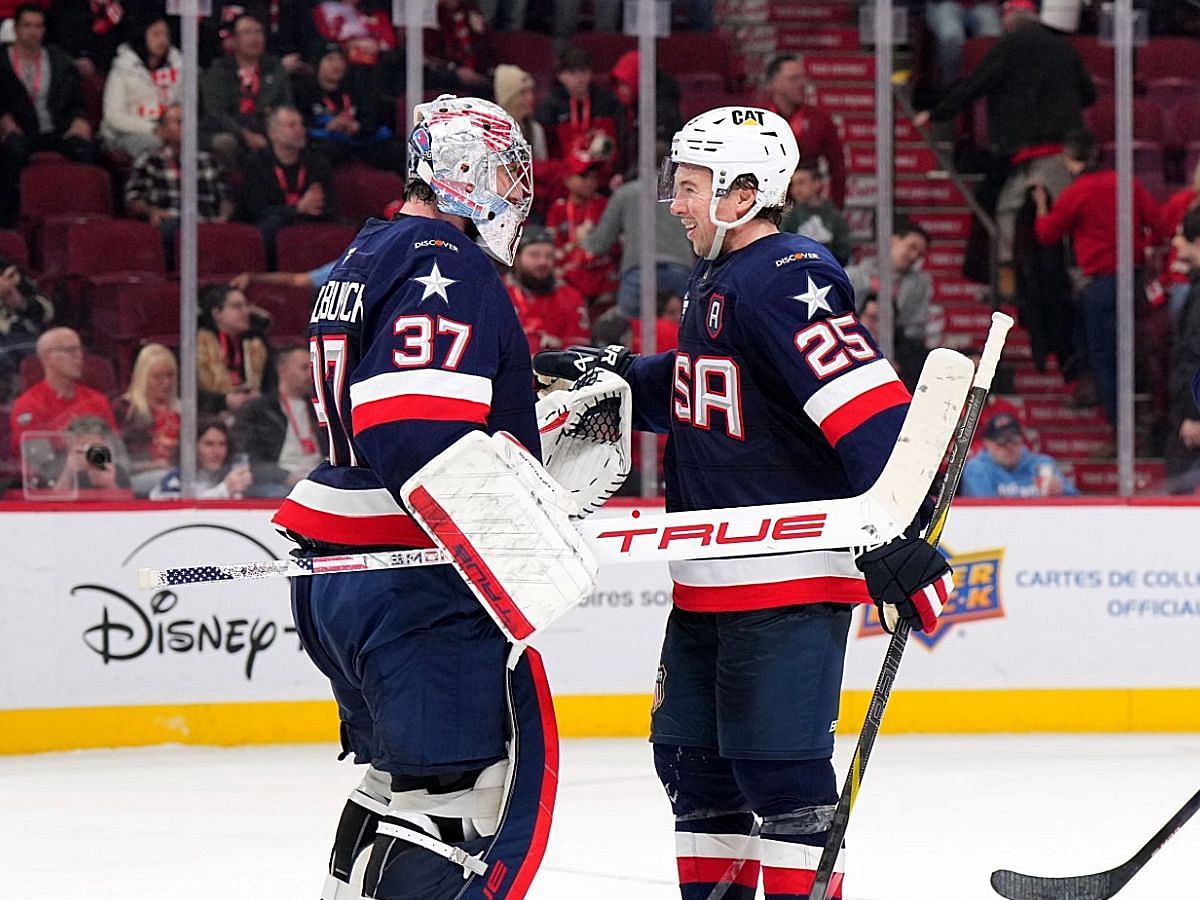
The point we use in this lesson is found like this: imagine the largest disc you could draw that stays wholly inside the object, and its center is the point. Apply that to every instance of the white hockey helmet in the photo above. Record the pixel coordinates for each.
(732, 141)
(473, 156)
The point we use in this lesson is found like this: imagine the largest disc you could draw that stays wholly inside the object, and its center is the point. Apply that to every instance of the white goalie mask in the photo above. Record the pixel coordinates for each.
(730, 142)
(473, 156)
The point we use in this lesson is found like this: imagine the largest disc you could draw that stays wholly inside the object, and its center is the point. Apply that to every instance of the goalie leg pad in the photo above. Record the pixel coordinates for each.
(366, 805)
(504, 520)
(424, 849)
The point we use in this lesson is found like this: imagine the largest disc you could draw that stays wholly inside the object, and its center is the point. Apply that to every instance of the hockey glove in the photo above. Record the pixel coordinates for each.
(909, 580)
(569, 365)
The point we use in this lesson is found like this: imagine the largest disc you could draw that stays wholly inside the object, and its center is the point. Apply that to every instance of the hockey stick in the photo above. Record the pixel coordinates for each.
(1100, 886)
(891, 661)
(876, 516)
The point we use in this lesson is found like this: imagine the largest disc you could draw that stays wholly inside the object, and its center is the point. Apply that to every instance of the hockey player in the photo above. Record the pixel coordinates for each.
(414, 344)
(776, 393)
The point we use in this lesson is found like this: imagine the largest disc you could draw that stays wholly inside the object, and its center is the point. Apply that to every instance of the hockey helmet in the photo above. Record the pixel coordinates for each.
(732, 141)
(473, 156)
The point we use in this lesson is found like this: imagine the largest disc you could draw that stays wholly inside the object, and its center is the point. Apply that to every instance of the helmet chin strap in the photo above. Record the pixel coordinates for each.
(719, 237)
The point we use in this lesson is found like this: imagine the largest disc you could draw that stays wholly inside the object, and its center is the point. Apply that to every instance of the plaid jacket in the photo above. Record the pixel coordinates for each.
(155, 180)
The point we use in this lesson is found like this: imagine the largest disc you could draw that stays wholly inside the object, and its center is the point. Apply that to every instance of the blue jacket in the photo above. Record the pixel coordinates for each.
(984, 477)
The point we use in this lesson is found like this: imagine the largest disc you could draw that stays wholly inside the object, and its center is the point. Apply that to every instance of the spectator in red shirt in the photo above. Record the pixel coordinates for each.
(571, 219)
(815, 131)
(461, 58)
(364, 34)
(1087, 211)
(552, 313)
(59, 398)
(581, 115)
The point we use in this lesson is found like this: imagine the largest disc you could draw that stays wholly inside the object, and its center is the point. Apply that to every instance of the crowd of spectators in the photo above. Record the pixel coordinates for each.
(293, 92)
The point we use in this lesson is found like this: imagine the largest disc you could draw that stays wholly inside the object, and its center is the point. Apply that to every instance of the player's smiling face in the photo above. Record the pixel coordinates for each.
(690, 203)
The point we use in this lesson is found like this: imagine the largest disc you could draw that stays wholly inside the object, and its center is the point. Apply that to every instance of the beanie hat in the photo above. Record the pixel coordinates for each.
(536, 234)
(509, 82)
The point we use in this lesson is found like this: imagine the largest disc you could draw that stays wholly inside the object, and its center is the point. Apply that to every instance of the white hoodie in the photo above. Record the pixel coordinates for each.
(133, 97)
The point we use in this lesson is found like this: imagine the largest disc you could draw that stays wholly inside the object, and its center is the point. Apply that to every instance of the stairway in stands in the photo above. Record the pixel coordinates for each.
(842, 78)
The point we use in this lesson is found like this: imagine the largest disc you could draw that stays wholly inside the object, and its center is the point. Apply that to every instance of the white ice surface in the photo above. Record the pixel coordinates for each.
(935, 816)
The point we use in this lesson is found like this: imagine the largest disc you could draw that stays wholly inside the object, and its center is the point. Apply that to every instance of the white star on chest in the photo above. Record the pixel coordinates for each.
(435, 283)
(815, 297)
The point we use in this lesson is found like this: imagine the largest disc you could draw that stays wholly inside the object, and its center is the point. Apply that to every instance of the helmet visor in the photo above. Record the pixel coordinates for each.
(683, 180)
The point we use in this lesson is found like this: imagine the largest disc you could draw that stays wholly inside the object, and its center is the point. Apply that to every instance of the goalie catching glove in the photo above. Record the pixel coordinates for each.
(909, 580)
(554, 367)
(585, 434)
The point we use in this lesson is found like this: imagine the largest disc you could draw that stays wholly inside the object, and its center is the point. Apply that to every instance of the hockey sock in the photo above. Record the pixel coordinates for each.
(716, 849)
(790, 848)
(365, 806)
(796, 800)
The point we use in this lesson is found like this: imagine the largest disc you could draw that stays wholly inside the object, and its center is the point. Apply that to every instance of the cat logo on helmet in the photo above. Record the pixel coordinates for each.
(732, 141)
(747, 117)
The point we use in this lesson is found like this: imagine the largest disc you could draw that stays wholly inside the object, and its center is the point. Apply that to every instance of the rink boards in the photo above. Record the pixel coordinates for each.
(1078, 616)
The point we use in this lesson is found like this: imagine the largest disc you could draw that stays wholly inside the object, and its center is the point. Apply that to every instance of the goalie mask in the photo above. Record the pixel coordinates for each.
(730, 142)
(473, 156)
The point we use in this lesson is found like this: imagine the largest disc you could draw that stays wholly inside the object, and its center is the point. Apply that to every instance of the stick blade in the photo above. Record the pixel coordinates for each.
(1016, 886)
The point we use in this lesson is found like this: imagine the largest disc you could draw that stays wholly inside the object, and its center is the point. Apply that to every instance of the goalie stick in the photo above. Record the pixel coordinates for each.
(1100, 886)
(873, 517)
(891, 663)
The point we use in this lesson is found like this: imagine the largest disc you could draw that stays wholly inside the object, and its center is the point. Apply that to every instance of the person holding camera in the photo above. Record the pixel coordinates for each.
(95, 457)
(59, 398)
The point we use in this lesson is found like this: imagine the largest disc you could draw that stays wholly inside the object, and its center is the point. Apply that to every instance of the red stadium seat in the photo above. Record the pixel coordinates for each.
(1169, 59)
(289, 308)
(65, 189)
(227, 248)
(302, 248)
(1148, 122)
(13, 246)
(131, 311)
(531, 50)
(690, 52)
(604, 48)
(361, 192)
(97, 374)
(1097, 58)
(108, 246)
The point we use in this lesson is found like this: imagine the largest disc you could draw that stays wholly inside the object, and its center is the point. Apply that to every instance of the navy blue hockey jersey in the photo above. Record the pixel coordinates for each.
(414, 342)
(776, 393)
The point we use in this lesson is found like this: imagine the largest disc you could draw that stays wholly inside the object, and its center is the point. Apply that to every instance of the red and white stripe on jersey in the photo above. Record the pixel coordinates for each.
(854, 397)
(429, 394)
(362, 518)
(760, 582)
(792, 868)
(931, 599)
(706, 858)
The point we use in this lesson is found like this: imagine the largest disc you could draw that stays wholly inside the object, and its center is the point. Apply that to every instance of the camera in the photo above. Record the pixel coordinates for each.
(97, 455)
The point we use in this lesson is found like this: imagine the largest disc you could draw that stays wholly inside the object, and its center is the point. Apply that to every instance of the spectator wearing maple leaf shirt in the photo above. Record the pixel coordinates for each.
(815, 131)
(1087, 211)
(59, 398)
(571, 219)
(239, 91)
(552, 313)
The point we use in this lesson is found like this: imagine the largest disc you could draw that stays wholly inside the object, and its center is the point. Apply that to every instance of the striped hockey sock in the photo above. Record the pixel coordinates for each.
(789, 865)
(713, 848)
